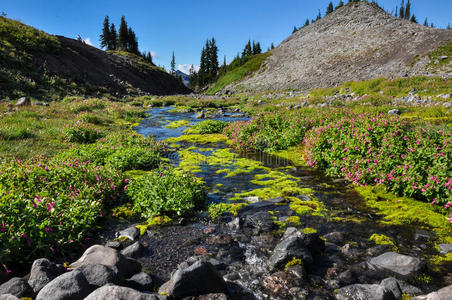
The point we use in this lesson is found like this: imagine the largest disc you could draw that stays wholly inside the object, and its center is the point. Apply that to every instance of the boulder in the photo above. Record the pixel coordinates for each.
(208, 297)
(102, 255)
(42, 272)
(113, 292)
(198, 279)
(24, 101)
(133, 251)
(398, 265)
(71, 285)
(132, 233)
(8, 297)
(260, 222)
(288, 249)
(364, 292)
(442, 294)
(17, 287)
(141, 282)
(100, 275)
(393, 285)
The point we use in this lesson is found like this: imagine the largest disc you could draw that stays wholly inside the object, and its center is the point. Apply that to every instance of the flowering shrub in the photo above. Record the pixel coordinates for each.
(268, 132)
(46, 207)
(166, 191)
(82, 133)
(210, 126)
(408, 160)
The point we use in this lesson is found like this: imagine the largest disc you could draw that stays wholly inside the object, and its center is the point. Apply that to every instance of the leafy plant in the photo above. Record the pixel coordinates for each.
(82, 133)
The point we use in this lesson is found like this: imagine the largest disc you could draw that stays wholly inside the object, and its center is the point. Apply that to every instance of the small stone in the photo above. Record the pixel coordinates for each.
(200, 250)
(141, 282)
(133, 251)
(24, 101)
(132, 233)
(114, 245)
(445, 248)
(335, 237)
(209, 230)
(251, 199)
(394, 112)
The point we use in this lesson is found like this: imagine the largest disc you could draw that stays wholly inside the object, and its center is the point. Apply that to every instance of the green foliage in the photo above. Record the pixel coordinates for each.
(166, 192)
(49, 207)
(236, 74)
(82, 133)
(136, 158)
(381, 239)
(445, 51)
(15, 133)
(210, 126)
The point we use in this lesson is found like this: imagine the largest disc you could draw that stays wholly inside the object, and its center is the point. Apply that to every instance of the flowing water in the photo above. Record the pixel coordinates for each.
(244, 253)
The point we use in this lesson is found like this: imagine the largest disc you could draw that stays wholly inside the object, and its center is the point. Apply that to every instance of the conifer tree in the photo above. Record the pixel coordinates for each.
(106, 35)
(448, 26)
(396, 12)
(132, 41)
(123, 35)
(113, 37)
(425, 22)
(307, 22)
(247, 51)
(294, 29)
(408, 10)
(173, 64)
(319, 16)
(272, 46)
(258, 49)
(340, 4)
(402, 10)
(413, 19)
(329, 9)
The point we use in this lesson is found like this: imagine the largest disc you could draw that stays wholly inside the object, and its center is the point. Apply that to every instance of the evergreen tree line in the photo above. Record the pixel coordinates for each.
(124, 40)
(208, 68)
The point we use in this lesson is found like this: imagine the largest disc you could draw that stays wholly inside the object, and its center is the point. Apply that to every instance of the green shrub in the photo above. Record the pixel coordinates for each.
(210, 126)
(133, 159)
(166, 191)
(14, 133)
(82, 133)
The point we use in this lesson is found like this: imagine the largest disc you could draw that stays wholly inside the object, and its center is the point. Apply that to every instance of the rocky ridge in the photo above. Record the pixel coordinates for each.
(356, 42)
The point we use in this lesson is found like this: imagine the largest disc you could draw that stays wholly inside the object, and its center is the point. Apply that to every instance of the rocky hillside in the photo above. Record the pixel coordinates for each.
(356, 42)
(37, 64)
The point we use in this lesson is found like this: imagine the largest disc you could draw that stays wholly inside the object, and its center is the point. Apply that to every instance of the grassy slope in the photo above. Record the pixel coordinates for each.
(239, 73)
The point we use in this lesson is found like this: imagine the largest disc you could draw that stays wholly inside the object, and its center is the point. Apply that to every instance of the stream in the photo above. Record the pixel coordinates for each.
(239, 247)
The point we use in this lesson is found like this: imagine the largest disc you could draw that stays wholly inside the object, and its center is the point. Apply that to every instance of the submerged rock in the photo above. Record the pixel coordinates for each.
(401, 266)
(198, 279)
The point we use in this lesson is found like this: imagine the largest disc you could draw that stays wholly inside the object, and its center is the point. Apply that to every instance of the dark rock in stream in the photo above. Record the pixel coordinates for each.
(198, 279)
(18, 287)
(42, 272)
(394, 264)
(259, 222)
(445, 248)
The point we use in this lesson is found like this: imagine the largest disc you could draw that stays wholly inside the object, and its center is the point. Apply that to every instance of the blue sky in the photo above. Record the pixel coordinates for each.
(163, 26)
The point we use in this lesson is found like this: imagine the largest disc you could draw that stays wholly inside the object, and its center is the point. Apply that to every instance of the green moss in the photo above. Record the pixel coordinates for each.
(381, 239)
(155, 221)
(422, 279)
(292, 154)
(178, 124)
(309, 230)
(294, 220)
(441, 262)
(217, 210)
(293, 262)
(198, 138)
(405, 211)
(124, 211)
(312, 207)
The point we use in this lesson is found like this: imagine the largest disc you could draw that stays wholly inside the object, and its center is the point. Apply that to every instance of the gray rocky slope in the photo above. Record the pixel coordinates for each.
(356, 42)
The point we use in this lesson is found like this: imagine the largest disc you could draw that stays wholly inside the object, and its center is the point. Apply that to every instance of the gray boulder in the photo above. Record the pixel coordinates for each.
(17, 287)
(445, 248)
(393, 285)
(133, 251)
(442, 294)
(69, 286)
(398, 265)
(99, 275)
(198, 279)
(141, 282)
(42, 272)
(24, 101)
(364, 292)
(208, 297)
(132, 233)
(8, 297)
(113, 292)
(101, 255)
(288, 249)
